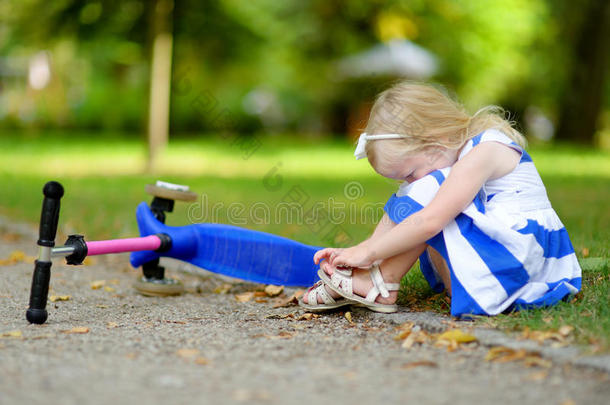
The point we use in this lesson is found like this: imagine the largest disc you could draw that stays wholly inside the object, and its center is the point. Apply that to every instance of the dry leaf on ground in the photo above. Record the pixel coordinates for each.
(222, 289)
(421, 363)
(244, 297)
(10, 237)
(55, 298)
(457, 335)
(404, 330)
(307, 316)
(565, 330)
(542, 336)
(187, 353)
(15, 334)
(281, 335)
(292, 300)
(537, 375)
(348, 316)
(17, 256)
(502, 354)
(97, 284)
(534, 360)
(419, 337)
(76, 330)
(274, 290)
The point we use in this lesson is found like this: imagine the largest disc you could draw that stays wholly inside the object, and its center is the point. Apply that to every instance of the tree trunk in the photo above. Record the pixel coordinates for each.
(160, 80)
(582, 101)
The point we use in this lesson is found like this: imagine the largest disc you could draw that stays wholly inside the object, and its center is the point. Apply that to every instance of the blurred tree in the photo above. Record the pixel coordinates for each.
(271, 65)
(160, 79)
(583, 96)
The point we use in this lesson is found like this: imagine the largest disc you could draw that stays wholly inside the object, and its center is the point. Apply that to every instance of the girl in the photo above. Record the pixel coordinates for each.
(472, 208)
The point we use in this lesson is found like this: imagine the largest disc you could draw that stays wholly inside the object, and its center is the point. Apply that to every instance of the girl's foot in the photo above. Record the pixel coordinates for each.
(361, 284)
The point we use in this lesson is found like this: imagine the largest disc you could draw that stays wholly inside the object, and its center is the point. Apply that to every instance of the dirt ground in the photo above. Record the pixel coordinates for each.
(207, 347)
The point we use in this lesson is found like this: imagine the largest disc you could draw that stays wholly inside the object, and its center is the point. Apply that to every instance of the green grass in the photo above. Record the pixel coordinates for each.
(104, 181)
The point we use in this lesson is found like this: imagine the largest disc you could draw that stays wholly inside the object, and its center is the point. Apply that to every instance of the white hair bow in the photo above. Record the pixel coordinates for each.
(360, 152)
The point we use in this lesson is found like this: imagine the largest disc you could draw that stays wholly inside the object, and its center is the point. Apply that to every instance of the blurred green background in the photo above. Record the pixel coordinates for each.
(304, 67)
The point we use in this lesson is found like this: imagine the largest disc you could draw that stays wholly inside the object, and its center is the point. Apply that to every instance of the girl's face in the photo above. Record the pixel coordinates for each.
(417, 165)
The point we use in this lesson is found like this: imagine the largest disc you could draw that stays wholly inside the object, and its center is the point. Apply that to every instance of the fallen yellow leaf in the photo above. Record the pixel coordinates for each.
(497, 351)
(348, 316)
(414, 364)
(201, 361)
(565, 330)
(281, 335)
(415, 337)
(244, 297)
(536, 361)
(15, 334)
(274, 290)
(97, 284)
(457, 335)
(404, 330)
(292, 300)
(55, 298)
(76, 330)
(17, 256)
(109, 289)
(538, 375)
(187, 353)
(222, 289)
(307, 316)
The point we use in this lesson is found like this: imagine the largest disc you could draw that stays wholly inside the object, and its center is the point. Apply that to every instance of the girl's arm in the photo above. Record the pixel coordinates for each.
(488, 160)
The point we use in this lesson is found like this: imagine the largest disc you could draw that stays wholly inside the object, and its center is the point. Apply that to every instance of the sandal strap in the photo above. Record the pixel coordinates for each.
(342, 279)
(379, 286)
(319, 290)
(325, 295)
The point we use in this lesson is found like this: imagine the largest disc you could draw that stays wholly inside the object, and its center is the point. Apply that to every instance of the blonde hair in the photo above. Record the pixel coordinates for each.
(428, 118)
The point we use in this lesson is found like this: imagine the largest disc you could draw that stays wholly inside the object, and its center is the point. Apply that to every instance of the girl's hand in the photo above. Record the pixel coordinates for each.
(326, 253)
(357, 256)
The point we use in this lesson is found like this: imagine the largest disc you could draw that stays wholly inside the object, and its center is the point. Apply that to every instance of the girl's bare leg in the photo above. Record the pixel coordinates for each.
(441, 267)
(392, 269)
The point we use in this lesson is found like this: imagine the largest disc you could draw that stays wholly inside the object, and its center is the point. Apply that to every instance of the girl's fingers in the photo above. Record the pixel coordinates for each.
(321, 254)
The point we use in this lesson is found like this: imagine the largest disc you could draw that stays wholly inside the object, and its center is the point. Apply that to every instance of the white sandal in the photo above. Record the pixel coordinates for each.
(319, 290)
(341, 283)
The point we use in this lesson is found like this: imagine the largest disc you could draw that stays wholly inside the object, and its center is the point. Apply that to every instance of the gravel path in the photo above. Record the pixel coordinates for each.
(206, 347)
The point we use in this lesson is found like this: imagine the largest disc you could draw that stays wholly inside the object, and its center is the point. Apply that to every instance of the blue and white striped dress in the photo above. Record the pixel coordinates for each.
(507, 250)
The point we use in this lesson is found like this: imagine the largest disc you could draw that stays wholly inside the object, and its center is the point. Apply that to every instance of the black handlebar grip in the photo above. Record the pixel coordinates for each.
(53, 191)
(37, 312)
(49, 217)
